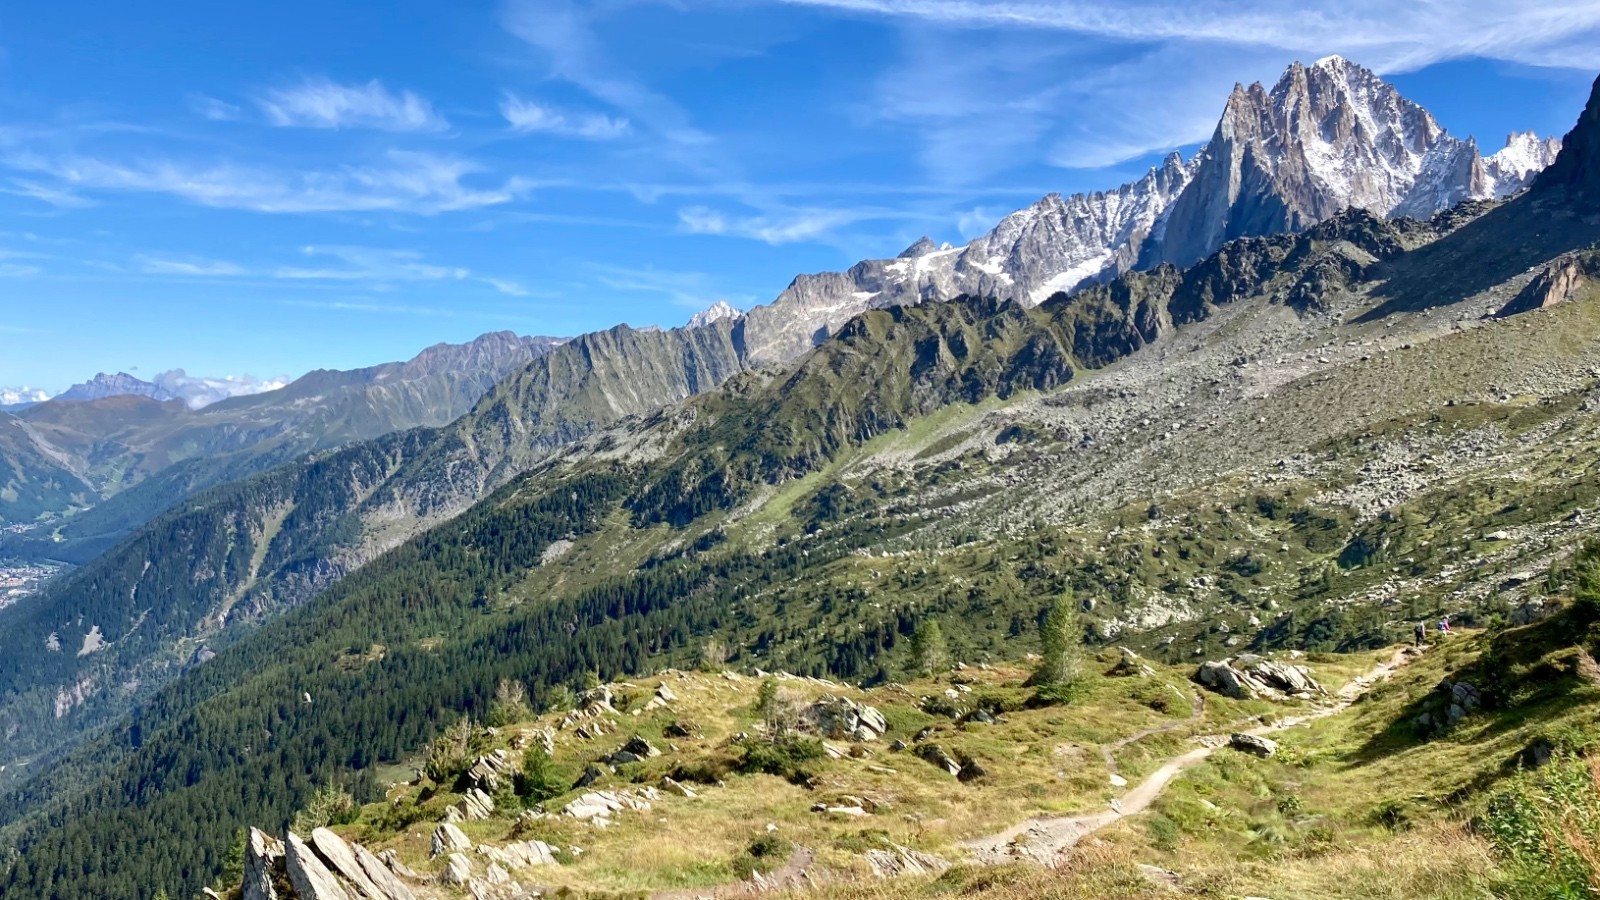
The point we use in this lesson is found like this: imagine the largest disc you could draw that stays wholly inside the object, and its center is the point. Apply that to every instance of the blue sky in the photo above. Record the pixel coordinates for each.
(269, 188)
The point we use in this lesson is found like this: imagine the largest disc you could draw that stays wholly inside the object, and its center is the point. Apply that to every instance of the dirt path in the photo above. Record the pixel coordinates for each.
(1044, 839)
(1109, 751)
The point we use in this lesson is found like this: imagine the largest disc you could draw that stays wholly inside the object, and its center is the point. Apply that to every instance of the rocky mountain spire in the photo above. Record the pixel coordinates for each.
(1327, 136)
(1577, 168)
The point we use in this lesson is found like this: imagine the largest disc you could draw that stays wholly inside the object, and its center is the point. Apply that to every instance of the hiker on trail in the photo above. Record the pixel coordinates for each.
(1420, 633)
(1444, 625)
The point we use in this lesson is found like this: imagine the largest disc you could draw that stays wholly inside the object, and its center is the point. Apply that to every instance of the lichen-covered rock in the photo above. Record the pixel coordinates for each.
(475, 805)
(447, 838)
(342, 860)
(459, 869)
(1253, 744)
(311, 879)
(263, 856)
(382, 876)
(841, 717)
(897, 860)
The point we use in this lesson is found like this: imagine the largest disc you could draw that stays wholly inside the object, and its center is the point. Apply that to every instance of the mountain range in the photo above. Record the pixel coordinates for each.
(173, 385)
(799, 480)
(513, 413)
(1326, 137)
(144, 444)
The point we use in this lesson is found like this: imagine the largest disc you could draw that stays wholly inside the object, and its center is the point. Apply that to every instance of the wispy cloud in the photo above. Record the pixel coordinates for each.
(507, 287)
(208, 107)
(57, 197)
(376, 267)
(527, 116)
(788, 228)
(560, 31)
(321, 103)
(1388, 35)
(1093, 83)
(192, 268)
(412, 182)
(690, 290)
(370, 264)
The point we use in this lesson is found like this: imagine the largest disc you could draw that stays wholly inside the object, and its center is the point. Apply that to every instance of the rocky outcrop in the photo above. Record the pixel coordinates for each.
(311, 878)
(843, 718)
(1130, 664)
(637, 749)
(475, 805)
(447, 838)
(263, 861)
(385, 879)
(1255, 677)
(600, 806)
(328, 868)
(520, 854)
(490, 771)
(1452, 702)
(1559, 282)
(341, 859)
(895, 860)
(935, 754)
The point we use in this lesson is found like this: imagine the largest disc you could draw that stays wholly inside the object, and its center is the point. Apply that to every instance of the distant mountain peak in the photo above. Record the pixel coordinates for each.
(716, 312)
(103, 385)
(1326, 137)
(921, 247)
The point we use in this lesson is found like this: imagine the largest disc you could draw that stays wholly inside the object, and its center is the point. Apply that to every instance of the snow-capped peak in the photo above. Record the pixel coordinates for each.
(713, 313)
(1524, 156)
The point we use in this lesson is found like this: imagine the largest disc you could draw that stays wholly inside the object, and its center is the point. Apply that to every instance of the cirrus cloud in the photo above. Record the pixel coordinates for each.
(322, 103)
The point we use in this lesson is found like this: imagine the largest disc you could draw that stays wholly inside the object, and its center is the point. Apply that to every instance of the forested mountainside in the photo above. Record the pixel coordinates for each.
(80, 652)
(147, 454)
(1306, 439)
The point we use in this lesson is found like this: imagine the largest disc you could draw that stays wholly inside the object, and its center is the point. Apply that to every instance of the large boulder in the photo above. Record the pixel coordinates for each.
(342, 860)
(311, 879)
(459, 869)
(841, 717)
(636, 749)
(447, 838)
(1255, 677)
(263, 856)
(594, 805)
(1255, 745)
(1226, 680)
(388, 885)
(475, 805)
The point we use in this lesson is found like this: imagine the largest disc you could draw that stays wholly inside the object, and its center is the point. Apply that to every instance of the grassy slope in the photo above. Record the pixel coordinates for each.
(1357, 805)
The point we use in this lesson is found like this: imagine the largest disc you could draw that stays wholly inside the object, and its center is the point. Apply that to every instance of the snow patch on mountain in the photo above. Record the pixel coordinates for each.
(716, 312)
